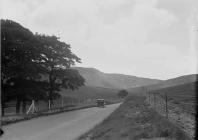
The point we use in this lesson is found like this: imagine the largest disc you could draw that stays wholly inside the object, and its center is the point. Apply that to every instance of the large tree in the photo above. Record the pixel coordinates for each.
(57, 59)
(27, 58)
(19, 51)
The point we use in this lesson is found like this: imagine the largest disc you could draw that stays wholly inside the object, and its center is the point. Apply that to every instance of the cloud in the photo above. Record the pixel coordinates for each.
(193, 52)
(19, 10)
(112, 35)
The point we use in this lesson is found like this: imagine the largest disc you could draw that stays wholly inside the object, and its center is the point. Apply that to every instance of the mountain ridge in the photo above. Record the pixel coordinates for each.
(96, 78)
(173, 82)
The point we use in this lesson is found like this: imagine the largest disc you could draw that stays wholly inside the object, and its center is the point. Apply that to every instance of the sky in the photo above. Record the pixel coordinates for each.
(146, 38)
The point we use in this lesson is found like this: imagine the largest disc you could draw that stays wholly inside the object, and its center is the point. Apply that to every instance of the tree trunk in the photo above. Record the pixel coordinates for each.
(50, 88)
(24, 103)
(3, 109)
(49, 104)
(18, 105)
(51, 85)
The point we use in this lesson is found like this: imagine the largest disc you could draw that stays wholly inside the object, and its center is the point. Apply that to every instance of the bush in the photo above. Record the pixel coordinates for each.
(122, 93)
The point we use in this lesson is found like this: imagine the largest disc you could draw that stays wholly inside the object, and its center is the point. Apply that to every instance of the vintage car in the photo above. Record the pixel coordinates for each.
(100, 102)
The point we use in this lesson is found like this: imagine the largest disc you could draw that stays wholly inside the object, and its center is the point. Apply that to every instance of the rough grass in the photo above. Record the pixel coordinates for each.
(135, 120)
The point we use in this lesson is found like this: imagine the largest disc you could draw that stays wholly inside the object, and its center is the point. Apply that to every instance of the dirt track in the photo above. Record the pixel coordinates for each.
(65, 126)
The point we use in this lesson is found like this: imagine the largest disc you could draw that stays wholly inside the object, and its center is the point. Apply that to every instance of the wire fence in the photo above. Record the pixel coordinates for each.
(38, 108)
(176, 109)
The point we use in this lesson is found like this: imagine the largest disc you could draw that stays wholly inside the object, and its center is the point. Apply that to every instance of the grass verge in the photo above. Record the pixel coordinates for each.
(135, 120)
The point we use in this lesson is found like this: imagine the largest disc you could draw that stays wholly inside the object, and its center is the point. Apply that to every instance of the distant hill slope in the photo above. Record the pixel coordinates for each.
(183, 96)
(96, 78)
(182, 89)
(181, 82)
(91, 92)
(175, 81)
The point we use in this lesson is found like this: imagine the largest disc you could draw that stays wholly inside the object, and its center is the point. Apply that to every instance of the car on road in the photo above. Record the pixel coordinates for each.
(100, 102)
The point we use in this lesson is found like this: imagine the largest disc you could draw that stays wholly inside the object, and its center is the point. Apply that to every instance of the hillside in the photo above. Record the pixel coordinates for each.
(183, 89)
(91, 92)
(175, 81)
(181, 83)
(96, 78)
(183, 96)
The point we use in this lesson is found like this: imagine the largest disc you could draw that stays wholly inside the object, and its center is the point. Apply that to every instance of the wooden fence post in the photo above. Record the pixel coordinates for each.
(72, 101)
(32, 108)
(149, 97)
(49, 104)
(166, 100)
(0, 107)
(154, 100)
(62, 103)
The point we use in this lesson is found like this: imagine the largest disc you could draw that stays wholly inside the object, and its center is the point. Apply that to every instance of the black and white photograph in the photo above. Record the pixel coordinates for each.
(98, 69)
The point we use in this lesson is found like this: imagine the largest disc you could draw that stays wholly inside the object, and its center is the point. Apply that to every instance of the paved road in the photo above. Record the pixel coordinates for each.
(64, 126)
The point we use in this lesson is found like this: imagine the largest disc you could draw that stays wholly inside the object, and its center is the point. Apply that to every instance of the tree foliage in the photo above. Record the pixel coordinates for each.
(57, 58)
(122, 93)
(27, 57)
(18, 52)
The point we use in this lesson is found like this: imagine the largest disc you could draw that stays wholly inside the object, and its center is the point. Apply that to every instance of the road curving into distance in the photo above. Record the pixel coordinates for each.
(64, 126)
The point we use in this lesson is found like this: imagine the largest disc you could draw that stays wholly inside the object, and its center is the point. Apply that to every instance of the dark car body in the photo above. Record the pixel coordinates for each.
(100, 102)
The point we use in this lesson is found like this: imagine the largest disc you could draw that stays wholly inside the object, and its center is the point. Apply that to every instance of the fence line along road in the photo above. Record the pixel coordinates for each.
(42, 108)
(174, 110)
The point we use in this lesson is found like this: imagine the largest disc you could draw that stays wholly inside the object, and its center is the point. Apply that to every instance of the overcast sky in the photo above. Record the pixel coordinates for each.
(148, 38)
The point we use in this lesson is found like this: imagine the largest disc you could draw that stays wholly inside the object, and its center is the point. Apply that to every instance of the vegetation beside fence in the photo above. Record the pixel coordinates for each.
(135, 120)
(180, 109)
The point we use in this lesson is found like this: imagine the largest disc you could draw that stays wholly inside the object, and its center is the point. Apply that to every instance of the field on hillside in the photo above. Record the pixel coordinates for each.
(178, 104)
(187, 83)
(91, 92)
(183, 96)
(182, 80)
(96, 78)
(135, 120)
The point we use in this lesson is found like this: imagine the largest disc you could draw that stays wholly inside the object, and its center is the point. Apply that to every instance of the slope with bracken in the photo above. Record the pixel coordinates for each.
(96, 78)
(174, 82)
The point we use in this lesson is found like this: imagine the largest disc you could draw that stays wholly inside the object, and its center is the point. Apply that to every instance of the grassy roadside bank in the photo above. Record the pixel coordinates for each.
(135, 120)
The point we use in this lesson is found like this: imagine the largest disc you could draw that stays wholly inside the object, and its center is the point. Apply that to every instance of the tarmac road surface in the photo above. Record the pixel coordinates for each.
(64, 126)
